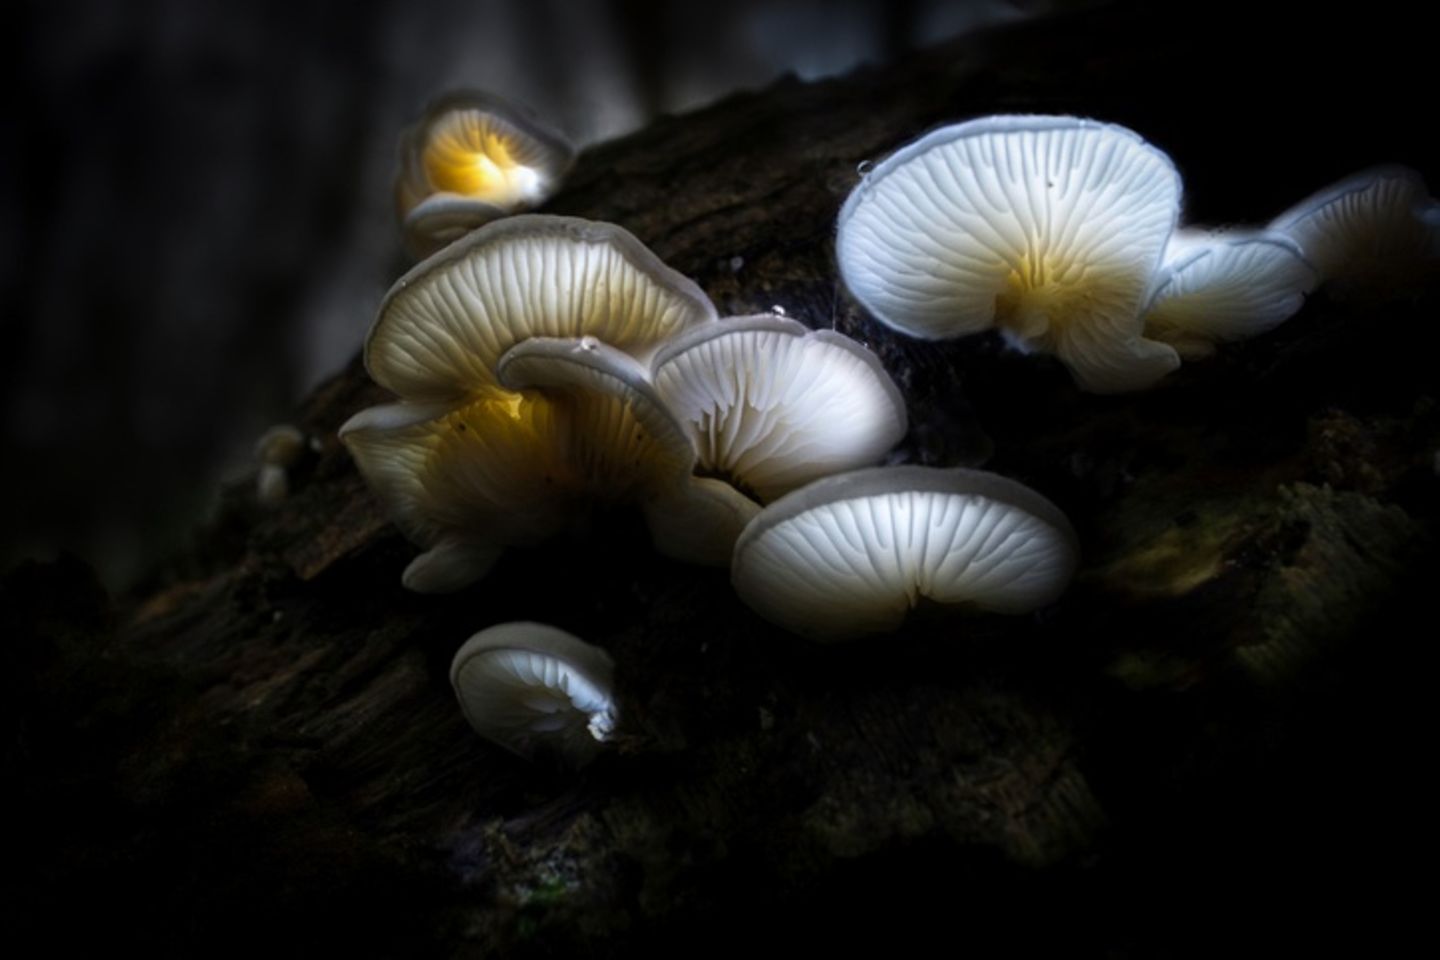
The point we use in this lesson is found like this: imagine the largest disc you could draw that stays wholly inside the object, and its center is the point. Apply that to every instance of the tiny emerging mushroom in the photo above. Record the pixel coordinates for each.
(1378, 229)
(277, 450)
(472, 158)
(1226, 286)
(852, 554)
(771, 405)
(536, 691)
(1048, 228)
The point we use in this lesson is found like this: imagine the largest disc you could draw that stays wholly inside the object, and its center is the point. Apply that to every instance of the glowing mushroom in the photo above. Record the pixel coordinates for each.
(1050, 229)
(628, 446)
(1220, 287)
(771, 405)
(444, 325)
(537, 691)
(1378, 228)
(472, 158)
(465, 481)
(852, 554)
(621, 442)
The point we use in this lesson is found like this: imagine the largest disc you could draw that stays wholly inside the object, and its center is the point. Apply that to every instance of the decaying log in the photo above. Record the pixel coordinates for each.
(260, 748)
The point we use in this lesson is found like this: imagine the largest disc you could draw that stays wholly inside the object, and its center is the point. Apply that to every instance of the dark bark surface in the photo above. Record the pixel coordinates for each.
(1207, 741)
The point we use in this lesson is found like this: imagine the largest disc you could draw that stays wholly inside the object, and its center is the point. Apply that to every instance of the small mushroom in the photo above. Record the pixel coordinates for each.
(536, 691)
(771, 405)
(277, 450)
(472, 158)
(1221, 287)
(851, 554)
(1050, 229)
(1376, 229)
(443, 326)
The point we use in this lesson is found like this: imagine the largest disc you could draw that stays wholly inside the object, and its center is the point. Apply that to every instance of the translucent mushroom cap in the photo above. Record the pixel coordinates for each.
(1221, 287)
(473, 157)
(443, 326)
(536, 690)
(621, 441)
(852, 554)
(1049, 228)
(1377, 227)
(464, 481)
(771, 405)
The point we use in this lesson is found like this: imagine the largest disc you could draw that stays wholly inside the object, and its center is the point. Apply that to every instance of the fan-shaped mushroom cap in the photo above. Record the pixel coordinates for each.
(1374, 228)
(465, 481)
(482, 157)
(622, 440)
(1226, 286)
(773, 405)
(444, 325)
(1050, 228)
(534, 689)
(852, 554)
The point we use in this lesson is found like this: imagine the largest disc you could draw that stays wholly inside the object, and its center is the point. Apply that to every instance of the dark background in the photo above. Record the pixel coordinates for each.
(196, 218)
(196, 228)
(195, 215)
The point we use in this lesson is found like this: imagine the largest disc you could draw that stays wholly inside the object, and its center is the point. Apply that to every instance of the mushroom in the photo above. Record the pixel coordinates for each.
(277, 450)
(771, 405)
(621, 442)
(1050, 229)
(536, 691)
(1220, 287)
(852, 554)
(444, 325)
(1377, 228)
(465, 481)
(630, 446)
(472, 158)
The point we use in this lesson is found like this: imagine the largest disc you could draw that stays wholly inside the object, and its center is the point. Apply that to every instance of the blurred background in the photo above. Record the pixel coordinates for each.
(195, 206)
(195, 203)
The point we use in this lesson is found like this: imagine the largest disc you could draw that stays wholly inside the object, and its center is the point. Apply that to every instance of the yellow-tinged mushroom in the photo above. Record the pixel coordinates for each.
(472, 158)
(1050, 229)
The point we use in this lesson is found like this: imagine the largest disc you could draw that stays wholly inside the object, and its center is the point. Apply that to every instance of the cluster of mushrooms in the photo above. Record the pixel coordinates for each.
(546, 365)
(1063, 234)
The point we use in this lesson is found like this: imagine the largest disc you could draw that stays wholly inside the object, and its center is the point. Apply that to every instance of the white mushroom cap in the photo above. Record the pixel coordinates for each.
(1376, 227)
(1050, 228)
(465, 481)
(772, 405)
(1220, 287)
(621, 440)
(852, 554)
(534, 689)
(486, 156)
(445, 324)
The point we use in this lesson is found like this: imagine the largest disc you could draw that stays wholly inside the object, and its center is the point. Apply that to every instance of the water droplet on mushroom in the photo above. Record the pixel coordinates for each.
(778, 310)
(864, 167)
